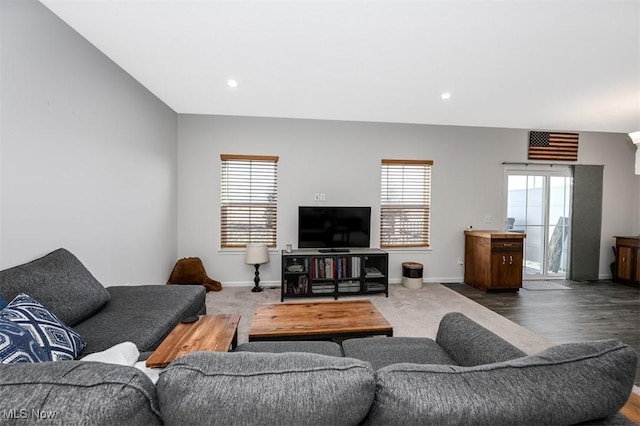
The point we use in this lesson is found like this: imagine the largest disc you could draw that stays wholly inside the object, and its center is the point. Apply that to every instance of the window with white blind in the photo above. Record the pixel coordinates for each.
(249, 200)
(405, 203)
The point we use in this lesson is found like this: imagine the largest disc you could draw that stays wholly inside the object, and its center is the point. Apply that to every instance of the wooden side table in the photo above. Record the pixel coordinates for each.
(218, 333)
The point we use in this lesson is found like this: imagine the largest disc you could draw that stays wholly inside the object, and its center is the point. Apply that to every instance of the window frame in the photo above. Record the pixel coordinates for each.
(414, 203)
(248, 201)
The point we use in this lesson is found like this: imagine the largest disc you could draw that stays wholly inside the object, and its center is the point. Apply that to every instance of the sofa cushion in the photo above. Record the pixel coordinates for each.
(18, 345)
(62, 342)
(469, 343)
(566, 384)
(143, 315)
(308, 346)
(226, 388)
(75, 392)
(384, 351)
(60, 282)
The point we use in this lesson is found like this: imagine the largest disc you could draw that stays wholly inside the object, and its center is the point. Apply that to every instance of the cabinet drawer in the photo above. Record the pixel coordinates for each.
(506, 244)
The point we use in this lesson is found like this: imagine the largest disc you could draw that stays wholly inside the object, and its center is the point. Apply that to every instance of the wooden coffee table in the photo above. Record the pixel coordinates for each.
(317, 321)
(217, 333)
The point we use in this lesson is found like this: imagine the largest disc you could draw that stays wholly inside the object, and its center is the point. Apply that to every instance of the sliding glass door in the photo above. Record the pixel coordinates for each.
(538, 203)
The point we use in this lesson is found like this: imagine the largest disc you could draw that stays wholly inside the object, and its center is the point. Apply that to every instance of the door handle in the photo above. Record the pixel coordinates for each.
(504, 260)
(510, 260)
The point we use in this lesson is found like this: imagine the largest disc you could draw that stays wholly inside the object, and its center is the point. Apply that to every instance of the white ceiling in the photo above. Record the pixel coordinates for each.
(532, 64)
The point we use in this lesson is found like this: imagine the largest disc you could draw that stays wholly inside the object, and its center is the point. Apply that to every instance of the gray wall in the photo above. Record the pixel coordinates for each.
(88, 155)
(342, 160)
(89, 162)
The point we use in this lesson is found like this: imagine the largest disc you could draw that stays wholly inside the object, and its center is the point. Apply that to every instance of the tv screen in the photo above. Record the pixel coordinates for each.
(333, 227)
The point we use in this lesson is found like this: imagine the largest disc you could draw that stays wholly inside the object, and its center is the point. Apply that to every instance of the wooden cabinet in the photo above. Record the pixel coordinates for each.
(493, 260)
(309, 273)
(627, 266)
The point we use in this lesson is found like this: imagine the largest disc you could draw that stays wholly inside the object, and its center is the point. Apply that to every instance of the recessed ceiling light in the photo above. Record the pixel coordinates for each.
(445, 95)
(232, 83)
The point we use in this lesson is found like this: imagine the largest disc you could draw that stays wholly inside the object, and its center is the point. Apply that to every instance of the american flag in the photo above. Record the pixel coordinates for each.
(553, 146)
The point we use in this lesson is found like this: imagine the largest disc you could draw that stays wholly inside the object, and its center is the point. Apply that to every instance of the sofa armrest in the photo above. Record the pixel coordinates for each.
(470, 344)
(566, 384)
(77, 392)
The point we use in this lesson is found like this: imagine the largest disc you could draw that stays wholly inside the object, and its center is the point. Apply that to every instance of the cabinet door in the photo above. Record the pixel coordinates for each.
(515, 269)
(625, 263)
(506, 269)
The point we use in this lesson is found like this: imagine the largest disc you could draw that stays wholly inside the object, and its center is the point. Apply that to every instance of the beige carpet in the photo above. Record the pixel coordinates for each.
(412, 313)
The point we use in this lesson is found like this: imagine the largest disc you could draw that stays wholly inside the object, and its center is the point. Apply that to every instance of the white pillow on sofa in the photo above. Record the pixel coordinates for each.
(125, 353)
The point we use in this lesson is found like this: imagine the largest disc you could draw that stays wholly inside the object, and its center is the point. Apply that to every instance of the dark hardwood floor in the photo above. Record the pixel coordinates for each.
(589, 311)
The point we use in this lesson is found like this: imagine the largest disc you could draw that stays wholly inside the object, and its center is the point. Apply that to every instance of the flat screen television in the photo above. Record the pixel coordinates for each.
(334, 227)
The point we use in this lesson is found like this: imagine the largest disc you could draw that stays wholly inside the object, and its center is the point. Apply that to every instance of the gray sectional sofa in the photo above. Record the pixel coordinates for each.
(469, 375)
(466, 375)
(103, 316)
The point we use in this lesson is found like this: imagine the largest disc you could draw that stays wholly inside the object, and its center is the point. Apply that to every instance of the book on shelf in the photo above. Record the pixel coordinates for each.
(349, 286)
(322, 268)
(375, 287)
(372, 271)
(295, 268)
(331, 268)
(303, 284)
(349, 267)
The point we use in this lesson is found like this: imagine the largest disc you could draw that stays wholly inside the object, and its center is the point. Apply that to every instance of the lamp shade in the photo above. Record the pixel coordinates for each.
(635, 138)
(256, 254)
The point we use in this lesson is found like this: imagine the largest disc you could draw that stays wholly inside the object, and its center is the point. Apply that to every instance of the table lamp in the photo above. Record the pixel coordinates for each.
(256, 255)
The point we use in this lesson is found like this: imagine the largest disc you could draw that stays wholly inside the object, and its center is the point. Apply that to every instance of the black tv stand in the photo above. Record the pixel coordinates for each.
(310, 273)
(334, 250)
